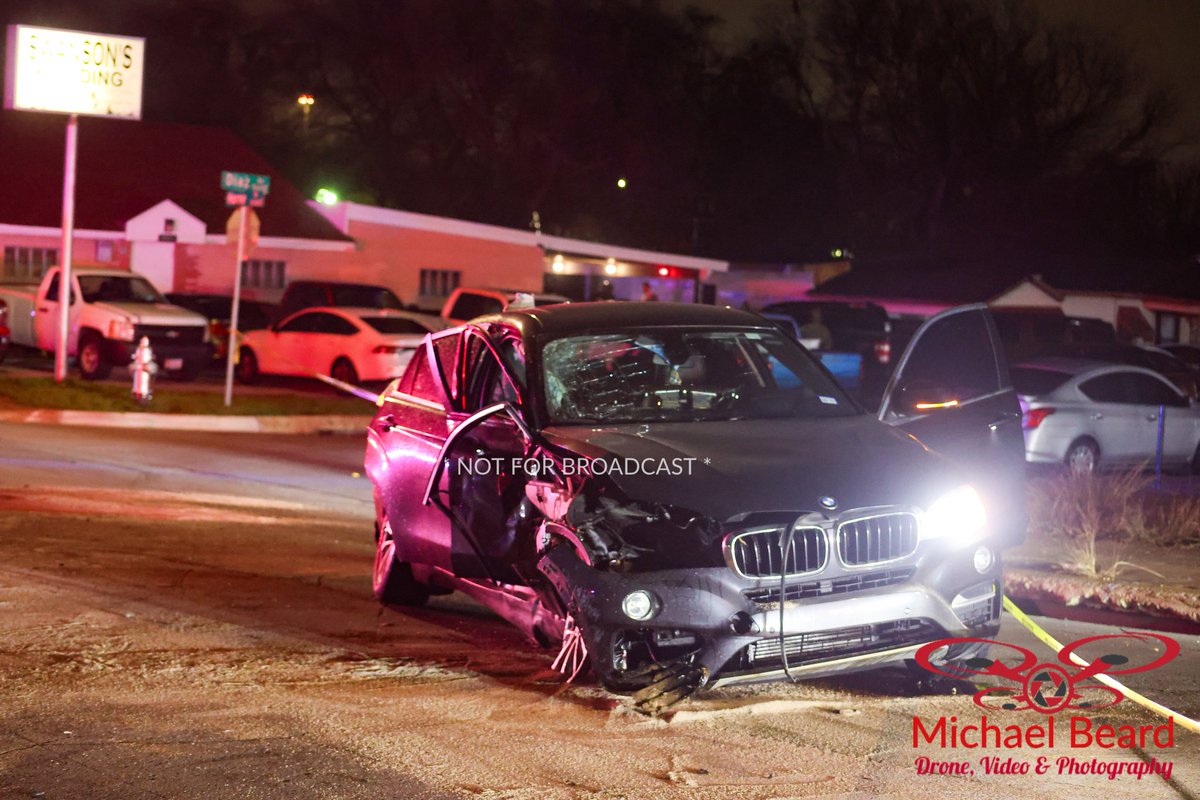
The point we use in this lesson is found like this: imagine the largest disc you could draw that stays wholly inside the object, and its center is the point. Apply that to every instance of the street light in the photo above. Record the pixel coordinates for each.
(326, 197)
(306, 102)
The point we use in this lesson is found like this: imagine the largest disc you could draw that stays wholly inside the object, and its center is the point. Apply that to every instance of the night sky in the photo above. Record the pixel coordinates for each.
(499, 108)
(1161, 36)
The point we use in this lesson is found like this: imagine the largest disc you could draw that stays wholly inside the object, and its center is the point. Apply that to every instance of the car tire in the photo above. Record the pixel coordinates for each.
(343, 370)
(93, 366)
(1083, 457)
(392, 580)
(246, 370)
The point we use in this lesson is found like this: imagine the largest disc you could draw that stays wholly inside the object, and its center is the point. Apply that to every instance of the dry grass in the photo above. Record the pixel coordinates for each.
(1090, 522)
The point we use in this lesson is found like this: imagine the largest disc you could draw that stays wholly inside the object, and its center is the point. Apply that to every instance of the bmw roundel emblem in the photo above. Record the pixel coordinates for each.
(828, 502)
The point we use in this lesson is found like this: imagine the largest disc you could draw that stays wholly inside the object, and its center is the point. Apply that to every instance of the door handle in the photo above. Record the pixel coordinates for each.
(43, 309)
(387, 423)
(1152, 417)
(1097, 415)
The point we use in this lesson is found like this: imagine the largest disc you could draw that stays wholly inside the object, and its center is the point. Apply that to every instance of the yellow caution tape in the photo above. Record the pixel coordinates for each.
(1023, 618)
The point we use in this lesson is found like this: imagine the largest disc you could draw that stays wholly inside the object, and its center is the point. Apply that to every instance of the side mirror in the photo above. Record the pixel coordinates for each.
(925, 397)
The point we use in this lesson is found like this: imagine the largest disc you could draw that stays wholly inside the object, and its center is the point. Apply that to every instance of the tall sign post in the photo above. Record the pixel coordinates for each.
(243, 190)
(73, 73)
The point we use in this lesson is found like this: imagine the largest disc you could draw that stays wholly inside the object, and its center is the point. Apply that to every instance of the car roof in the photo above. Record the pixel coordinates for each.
(309, 282)
(430, 321)
(569, 318)
(1079, 367)
(508, 293)
(363, 311)
(1065, 365)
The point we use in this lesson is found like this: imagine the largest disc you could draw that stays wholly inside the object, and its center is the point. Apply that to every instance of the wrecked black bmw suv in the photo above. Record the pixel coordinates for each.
(683, 497)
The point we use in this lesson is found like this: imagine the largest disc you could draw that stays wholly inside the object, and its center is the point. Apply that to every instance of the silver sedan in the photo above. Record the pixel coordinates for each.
(1088, 415)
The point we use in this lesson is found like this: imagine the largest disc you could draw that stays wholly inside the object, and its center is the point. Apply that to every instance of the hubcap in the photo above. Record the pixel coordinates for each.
(89, 359)
(1082, 461)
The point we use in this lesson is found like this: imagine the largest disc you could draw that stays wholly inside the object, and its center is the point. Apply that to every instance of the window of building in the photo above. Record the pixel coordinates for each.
(28, 263)
(439, 282)
(258, 274)
(105, 250)
(1168, 327)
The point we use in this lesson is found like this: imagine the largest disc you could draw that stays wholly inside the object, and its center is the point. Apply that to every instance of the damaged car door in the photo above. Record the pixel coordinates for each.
(952, 392)
(411, 427)
(479, 480)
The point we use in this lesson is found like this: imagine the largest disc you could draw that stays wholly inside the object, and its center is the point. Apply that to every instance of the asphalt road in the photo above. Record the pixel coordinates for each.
(189, 615)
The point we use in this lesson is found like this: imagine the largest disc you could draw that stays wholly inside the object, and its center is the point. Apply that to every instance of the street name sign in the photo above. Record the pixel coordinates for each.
(245, 188)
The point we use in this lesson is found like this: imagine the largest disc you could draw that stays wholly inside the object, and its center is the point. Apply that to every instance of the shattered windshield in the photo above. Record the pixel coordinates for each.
(673, 374)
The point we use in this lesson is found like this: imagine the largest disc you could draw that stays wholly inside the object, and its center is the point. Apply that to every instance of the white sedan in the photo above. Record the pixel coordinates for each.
(349, 344)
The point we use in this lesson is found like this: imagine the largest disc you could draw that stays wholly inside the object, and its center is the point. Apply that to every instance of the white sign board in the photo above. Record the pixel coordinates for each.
(72, 72)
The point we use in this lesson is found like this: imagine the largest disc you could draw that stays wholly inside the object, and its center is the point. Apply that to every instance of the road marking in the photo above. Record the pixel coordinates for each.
(1186, 722)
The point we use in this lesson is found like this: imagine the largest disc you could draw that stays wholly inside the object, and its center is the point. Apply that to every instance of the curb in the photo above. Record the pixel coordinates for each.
(214, 423)
(1070, 590)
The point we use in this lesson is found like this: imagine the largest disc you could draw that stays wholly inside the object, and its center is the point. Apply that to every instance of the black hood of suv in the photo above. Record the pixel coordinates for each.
(746, 466)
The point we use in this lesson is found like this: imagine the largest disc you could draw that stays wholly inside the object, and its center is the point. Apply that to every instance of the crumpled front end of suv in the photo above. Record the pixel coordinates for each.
(666, 595)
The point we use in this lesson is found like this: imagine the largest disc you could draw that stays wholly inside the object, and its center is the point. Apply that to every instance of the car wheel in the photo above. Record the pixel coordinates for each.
(393, 580)
(1083, 457)
(92, 364)
(246, 370)
(343, 370)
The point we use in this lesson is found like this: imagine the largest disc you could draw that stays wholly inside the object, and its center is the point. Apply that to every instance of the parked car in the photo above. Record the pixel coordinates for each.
(349, 344)
(1034, 332)
(110, 311)
(1088, 416)
(310, 294)
(218, 310)
(644, 483)
(3, 330)
(855, 340)
(1146, 357)
(466, 303)
(1187, 353)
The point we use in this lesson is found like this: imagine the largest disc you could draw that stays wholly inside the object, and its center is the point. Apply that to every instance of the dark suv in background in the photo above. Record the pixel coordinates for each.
(310, 294)
(860, 329)
(218, 309)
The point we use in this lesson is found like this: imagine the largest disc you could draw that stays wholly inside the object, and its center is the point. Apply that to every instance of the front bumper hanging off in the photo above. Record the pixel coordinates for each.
(737, 630)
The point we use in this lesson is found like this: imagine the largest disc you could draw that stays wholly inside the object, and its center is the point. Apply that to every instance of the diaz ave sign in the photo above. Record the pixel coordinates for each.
(245, 188)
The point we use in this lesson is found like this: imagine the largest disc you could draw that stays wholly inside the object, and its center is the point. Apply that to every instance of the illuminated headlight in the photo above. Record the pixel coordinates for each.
(957, 516)
(639, 605)
(983, 560)
(121, 330)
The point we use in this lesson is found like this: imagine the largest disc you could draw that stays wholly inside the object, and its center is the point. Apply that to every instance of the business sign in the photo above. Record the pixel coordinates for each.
(72, 72)
(245, 188)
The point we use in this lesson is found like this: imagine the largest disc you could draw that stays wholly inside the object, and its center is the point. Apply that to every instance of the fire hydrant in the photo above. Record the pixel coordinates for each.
(144, 369)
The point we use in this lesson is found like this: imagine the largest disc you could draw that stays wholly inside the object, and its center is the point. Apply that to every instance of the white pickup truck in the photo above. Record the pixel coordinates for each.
(110, 311)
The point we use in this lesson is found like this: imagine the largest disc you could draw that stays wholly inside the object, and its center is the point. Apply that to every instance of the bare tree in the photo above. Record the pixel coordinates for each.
(953, 110)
